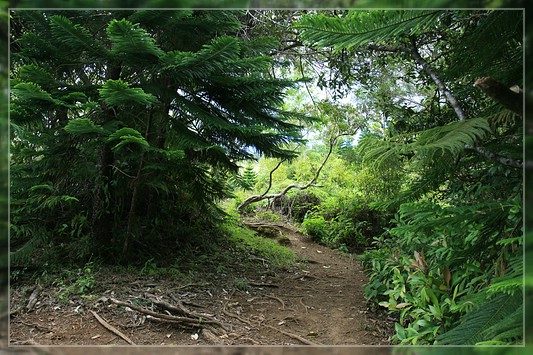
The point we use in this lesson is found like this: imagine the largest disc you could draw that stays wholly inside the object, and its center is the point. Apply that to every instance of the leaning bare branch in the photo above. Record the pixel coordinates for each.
(257, 198)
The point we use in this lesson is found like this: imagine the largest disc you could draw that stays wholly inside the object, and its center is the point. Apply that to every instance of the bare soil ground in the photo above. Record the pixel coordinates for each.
(317, 301)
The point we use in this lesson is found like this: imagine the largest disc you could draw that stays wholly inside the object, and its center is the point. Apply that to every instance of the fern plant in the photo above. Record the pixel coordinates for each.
(497, 321)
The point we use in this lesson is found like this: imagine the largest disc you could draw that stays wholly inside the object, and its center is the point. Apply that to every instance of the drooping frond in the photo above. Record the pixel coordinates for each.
(359, 28)
(498, 319)
(35, 74)
(212, 58)
(158, 18)
(502, 28)
(431, 143)
(127, 135)
(31, 92)
(452, 137)
(512, 282)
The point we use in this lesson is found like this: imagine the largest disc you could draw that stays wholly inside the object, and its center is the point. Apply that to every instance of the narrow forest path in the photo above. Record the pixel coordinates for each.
(323, 297)
(319, 300)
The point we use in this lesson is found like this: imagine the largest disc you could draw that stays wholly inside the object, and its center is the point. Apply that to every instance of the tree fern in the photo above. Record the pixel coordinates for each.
(360, 28)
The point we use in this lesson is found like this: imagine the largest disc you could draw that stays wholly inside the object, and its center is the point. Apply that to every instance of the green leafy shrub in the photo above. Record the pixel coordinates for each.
(76, 283)
(428, 272)
(316, 227)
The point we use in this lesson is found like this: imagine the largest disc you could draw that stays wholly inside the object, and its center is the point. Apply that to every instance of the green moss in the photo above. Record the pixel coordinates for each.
(247, 240)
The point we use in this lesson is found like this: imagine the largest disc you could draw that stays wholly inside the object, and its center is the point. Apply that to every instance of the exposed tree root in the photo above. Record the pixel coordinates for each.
(189, 318)
(294, 336)
(237, 317)
(277, 299)
(211, 337)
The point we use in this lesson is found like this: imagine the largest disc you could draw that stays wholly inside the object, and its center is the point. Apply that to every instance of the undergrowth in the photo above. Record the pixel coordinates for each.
(236, 249)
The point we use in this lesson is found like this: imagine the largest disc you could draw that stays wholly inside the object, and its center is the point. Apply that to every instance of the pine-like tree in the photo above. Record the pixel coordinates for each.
(126, 124)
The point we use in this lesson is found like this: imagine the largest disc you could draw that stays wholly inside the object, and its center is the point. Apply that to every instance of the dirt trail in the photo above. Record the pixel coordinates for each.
(318, 301)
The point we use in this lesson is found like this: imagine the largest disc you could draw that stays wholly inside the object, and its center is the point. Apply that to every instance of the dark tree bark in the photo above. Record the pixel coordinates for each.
(102, 219)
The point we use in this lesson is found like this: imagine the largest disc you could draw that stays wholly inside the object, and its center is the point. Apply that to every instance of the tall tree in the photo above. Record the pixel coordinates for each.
(126, 123)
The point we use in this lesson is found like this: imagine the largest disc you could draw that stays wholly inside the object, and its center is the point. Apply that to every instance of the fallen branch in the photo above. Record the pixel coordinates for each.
(280, 227)
(294, 336)
(256, 284)
(264, 196)
(111, 328)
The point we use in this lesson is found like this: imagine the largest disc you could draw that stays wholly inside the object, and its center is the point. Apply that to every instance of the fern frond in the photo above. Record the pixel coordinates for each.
(31, 92)
(24, 255)
(513, 281)
(452, 137)
(212, 58)
(359, 28)
(499, 315)
(503, 120)
(35, 74)
(430, 144)
(158, 18)
(474, 57)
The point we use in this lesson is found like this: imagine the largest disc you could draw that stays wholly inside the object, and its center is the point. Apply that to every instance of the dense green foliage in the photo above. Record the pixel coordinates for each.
(126, 125)
(128, 128)
(455, 246)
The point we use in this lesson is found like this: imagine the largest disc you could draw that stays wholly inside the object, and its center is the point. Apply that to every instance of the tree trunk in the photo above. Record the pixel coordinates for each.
(102, 219)
(134, 196)
(158, 142)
